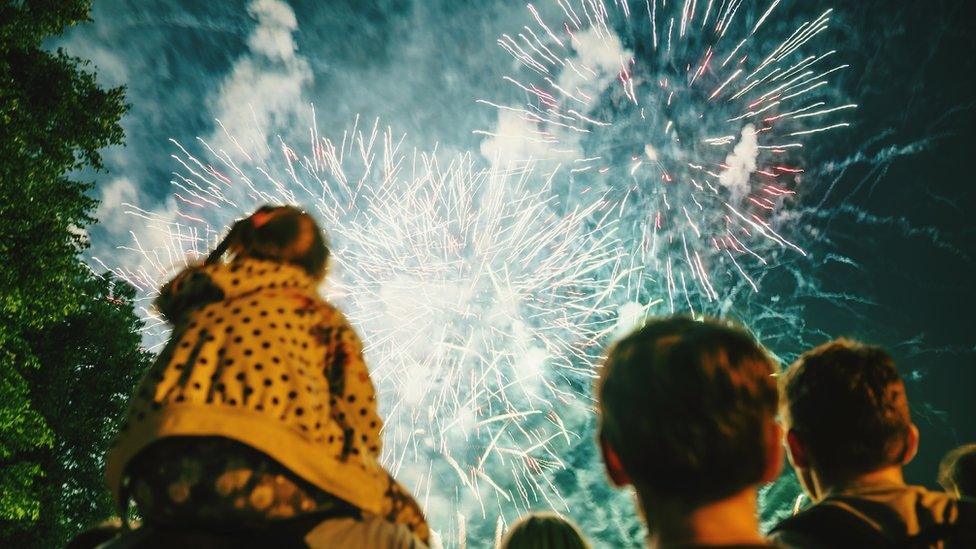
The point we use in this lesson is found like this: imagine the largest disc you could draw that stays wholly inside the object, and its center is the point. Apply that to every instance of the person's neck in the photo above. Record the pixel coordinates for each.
(886, 476)
(729, 521)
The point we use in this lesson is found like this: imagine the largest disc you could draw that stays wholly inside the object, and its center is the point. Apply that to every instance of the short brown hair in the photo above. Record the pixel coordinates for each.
(847, 402)
(685, 404)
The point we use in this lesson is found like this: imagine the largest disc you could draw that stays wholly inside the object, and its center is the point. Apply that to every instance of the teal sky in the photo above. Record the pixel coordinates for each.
(886, 207)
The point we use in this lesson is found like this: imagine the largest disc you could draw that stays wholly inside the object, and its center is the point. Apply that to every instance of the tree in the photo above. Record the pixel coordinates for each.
(90, 362)
(69, 344)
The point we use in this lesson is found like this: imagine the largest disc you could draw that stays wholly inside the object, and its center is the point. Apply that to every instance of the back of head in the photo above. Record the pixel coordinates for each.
(957, 472)
(847, 403)
(278, 233)
(687, 406)
(543, 531)
(283, 234)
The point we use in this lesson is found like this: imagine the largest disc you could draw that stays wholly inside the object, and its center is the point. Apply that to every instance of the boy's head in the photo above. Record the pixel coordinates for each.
(687, 412)
(846, 413)
(278, 233)
(957, 472)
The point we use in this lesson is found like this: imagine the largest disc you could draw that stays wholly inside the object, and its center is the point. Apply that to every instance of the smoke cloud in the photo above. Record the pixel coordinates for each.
(740, 164)
(265, 89)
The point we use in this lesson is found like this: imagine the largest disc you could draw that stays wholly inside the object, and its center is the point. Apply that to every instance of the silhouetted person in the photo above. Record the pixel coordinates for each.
(957, 472)
(544, 531)
(849, 433)
(687, 417)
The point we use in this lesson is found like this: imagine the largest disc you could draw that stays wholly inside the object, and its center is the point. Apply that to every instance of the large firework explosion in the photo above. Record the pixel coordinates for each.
(668, 143)
(694, 115)
(481, 309)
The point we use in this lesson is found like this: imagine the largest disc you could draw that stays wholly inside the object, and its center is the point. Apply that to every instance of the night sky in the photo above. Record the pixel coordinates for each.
(887, 213)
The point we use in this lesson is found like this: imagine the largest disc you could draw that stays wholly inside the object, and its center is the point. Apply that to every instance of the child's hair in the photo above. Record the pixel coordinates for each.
(544, 531)
(277, 233)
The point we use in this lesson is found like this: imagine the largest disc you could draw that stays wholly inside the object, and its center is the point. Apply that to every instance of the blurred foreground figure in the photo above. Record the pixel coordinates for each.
(544, 531)
(257, 425)
(687, 417)
(957, 472)
(849, 433)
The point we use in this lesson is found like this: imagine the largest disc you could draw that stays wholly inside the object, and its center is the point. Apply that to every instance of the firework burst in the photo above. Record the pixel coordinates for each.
(692, 115)
(481, 309)
(668, 140)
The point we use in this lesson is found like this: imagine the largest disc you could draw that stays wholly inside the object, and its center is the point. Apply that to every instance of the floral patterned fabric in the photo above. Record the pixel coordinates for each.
(214, 481)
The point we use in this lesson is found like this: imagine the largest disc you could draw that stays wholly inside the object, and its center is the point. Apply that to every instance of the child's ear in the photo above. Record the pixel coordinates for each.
(615, 468)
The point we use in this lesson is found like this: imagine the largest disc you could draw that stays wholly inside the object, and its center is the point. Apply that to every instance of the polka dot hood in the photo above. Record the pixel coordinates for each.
(257, 356)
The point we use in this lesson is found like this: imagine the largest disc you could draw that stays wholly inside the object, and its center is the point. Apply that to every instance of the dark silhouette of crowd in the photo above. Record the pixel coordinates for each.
(257, 427)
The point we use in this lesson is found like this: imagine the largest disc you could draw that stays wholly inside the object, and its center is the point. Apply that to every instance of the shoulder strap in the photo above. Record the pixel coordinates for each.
(835, 525)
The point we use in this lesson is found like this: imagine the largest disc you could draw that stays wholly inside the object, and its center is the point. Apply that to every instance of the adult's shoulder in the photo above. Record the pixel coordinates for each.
(823, 526)
(855, 522)
(965, 520)
(365, 532)
(944, 507)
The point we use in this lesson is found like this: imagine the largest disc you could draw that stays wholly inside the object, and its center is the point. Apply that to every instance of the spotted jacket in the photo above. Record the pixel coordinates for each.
(257, 356)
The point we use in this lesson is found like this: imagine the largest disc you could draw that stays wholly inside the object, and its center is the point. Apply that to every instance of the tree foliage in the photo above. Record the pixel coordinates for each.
(69, 343)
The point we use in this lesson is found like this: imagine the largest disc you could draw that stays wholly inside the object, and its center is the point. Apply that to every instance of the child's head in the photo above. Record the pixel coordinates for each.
(277, 233)
(544, 531)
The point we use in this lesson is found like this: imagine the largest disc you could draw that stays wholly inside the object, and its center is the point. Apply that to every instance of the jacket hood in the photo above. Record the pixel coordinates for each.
(200, 285)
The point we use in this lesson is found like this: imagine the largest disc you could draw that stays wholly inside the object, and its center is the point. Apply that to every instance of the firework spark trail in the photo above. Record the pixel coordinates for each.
(484, 294)
(694, 113)
(481, 308)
